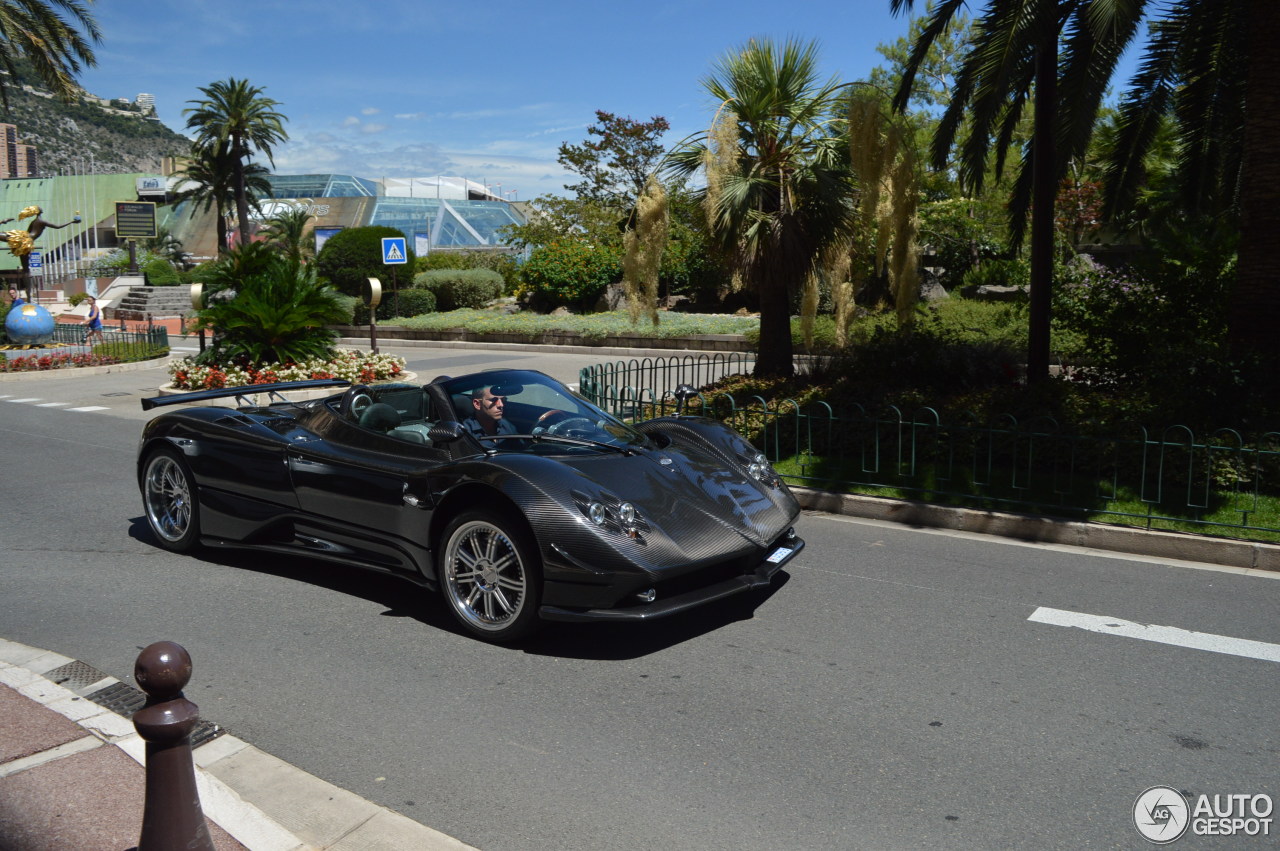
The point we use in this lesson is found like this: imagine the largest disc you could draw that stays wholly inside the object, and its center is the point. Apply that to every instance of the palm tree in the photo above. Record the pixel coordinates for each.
(51, 43)
(779, 186)
(287, 231)
(1015, 53)
(1192, 68)
(276, 311)
(209, 183)
(235, 117)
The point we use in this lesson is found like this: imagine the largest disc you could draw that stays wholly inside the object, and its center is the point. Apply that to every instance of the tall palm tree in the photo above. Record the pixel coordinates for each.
(781, 190)
(287, 231)
(48, 36)
(236, 117)
(1015, 53)
(209, 177)
(1208, 62)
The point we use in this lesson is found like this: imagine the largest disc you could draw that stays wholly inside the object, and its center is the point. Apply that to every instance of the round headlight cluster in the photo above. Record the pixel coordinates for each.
(597, 513)
(627, 513)
(760, 470)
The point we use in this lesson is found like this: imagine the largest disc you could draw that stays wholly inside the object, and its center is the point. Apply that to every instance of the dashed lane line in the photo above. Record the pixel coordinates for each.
(1160, 634)
(88, 408)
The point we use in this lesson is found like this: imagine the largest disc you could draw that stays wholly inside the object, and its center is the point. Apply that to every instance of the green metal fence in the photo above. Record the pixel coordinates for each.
(1221, 482)
(154, 335)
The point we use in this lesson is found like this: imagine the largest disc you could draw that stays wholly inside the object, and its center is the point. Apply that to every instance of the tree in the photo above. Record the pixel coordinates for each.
(779, 187)
(236, 118)
(279, 312)
(209, 182)
(1015, 54)
(1191, 68)
(50, 42)
(616, 163)
(353, 255)
(287, 231)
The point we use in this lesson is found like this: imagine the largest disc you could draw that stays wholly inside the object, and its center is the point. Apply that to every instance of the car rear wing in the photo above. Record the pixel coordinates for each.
(243, 393)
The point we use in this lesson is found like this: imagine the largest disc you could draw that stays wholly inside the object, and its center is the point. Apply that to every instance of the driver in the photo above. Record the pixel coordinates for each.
(486, 414)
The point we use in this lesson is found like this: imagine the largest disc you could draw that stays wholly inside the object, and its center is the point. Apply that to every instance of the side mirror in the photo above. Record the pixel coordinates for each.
(445, 432)
(683, 393)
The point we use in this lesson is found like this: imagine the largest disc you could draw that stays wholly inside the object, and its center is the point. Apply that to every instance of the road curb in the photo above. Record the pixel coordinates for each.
(263, 802)
(1247, 555)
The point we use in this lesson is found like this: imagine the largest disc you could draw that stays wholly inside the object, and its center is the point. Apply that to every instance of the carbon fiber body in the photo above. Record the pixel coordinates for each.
(629, 522)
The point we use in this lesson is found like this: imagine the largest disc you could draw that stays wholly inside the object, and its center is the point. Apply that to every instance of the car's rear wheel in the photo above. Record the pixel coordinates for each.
(491, 575)
(169, 497)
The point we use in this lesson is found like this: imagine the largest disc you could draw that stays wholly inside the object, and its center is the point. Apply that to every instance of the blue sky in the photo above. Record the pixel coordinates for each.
(484, 90)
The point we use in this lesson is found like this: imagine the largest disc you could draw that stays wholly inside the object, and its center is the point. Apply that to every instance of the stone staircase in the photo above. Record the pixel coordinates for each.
(151, 303)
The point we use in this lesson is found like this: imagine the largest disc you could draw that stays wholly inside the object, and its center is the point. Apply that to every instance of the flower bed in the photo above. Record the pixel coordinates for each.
(354, 366)
(59, 360)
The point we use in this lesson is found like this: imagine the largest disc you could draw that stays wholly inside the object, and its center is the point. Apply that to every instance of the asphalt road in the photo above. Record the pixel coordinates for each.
(890, 692)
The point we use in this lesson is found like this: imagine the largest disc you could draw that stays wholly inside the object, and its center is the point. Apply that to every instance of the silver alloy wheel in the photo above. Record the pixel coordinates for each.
(485, 578)
(168, 498)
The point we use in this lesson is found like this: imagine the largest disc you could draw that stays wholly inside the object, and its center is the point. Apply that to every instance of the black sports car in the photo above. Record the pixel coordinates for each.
(564, 512)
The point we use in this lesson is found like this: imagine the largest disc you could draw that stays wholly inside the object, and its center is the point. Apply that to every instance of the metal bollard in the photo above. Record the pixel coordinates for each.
(171, 815)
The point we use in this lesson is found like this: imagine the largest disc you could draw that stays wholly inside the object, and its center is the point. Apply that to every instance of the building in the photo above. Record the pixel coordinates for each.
(434, 214)
(16, 159)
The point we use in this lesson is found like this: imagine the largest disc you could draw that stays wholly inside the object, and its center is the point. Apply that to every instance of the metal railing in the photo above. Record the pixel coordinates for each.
(1221, 482)
(119, 335)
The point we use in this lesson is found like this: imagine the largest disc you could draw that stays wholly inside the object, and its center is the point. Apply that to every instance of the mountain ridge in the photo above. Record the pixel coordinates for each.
(85, 135)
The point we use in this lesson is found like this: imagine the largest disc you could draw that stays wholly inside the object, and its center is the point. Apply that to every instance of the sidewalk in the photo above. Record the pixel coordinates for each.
(72, 777)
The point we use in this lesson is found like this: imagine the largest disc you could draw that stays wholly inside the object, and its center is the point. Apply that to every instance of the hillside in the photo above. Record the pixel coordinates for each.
(68, 134)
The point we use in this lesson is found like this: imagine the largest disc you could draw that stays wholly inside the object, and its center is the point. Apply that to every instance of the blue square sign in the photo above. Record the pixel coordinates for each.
(393, 250)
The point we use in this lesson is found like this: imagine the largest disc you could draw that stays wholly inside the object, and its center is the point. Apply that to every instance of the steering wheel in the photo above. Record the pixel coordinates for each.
(356, 401)
(572, 427)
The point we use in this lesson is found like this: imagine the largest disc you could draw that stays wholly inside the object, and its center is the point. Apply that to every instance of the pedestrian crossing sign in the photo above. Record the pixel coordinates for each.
(393, 250)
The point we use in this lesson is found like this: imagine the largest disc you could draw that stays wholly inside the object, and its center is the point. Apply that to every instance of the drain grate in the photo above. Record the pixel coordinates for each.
(75, 675)
(120, 698)
(124, 699)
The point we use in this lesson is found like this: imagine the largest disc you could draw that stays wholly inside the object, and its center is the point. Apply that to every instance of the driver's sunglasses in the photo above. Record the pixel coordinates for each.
(493, 400)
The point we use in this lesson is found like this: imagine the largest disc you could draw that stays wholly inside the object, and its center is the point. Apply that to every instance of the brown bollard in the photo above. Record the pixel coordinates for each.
(171, 816)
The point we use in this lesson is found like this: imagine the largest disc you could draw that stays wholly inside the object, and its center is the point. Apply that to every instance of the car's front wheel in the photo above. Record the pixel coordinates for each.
(169, 497)
(491, 575)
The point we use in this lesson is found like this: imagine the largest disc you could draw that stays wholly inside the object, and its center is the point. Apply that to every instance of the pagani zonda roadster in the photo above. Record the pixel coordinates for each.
(566, 513)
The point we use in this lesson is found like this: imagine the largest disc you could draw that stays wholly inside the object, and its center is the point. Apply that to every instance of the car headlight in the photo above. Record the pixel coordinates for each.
(596, 512)
(627, 514)
(761, 470)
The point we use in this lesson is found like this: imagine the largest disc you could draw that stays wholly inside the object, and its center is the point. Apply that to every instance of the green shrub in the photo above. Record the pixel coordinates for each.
(404, 303)
(352, 256)
(160, 273)
(999, 273)
(574, 274)
(456, 289)
(498, 261)
(278, 314)
(77, 299)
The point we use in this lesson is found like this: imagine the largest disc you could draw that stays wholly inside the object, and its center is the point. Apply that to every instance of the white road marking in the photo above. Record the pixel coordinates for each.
(1161, 634)
(28, 399)
(89, 408)
(52, 404)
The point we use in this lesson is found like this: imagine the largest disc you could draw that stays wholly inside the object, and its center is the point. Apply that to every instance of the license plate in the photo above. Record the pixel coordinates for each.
(778, 555)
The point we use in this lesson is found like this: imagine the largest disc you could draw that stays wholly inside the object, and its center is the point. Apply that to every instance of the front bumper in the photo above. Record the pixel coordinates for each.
(761, 577)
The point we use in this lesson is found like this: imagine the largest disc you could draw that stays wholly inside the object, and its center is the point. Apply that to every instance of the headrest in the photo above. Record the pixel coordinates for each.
(380, 417)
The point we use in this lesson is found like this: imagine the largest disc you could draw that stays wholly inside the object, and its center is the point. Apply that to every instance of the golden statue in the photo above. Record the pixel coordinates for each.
(21, 242)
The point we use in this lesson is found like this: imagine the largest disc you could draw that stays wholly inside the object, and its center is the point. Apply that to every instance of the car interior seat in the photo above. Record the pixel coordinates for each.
(380, 417)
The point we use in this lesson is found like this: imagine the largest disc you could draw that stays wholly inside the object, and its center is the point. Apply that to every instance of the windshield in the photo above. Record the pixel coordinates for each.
(499, 405)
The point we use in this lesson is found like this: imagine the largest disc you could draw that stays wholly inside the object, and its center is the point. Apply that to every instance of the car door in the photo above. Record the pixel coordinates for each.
(365, 491)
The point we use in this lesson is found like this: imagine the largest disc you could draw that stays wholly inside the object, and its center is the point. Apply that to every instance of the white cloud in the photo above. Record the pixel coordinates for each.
(350, 121)
(370, 129)
(370, 110)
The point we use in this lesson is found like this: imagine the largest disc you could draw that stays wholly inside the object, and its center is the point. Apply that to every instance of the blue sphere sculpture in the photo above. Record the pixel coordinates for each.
(29, 325)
